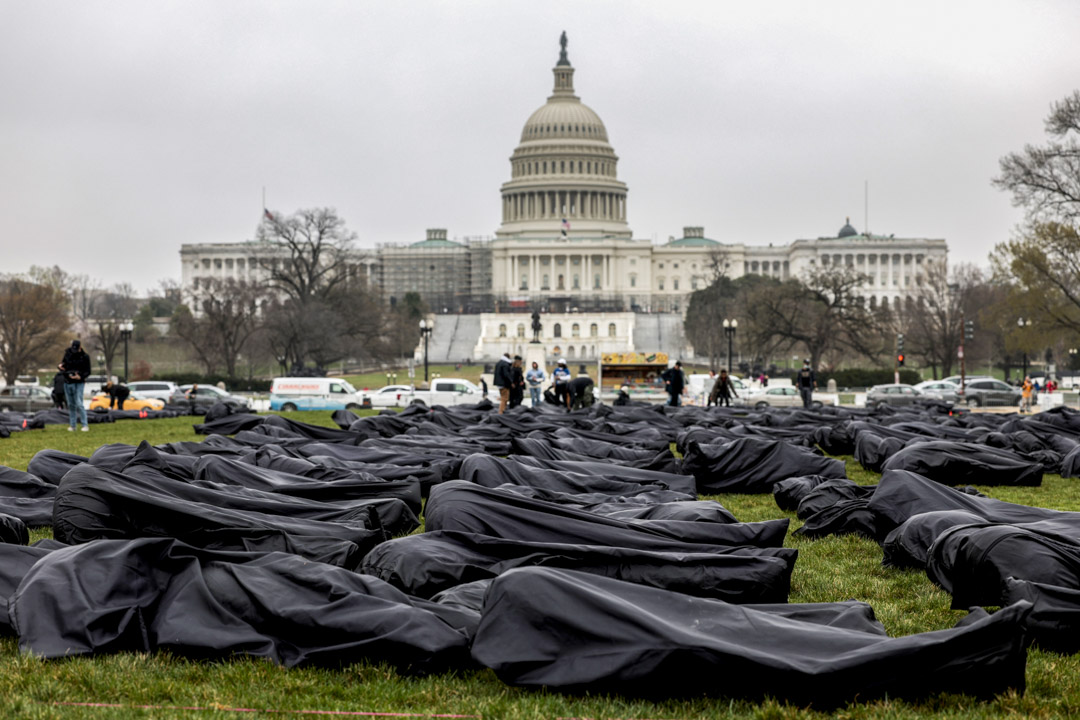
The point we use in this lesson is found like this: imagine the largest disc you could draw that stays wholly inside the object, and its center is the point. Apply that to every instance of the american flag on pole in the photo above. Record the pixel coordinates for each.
(269, 215)
(565, 226)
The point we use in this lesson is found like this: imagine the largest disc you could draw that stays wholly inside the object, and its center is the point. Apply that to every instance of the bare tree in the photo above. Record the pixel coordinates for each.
(108, 311)
(821, 313)
(1046, 179)
(309, 253)
(230, 317)
(33, 326)
(944, 300)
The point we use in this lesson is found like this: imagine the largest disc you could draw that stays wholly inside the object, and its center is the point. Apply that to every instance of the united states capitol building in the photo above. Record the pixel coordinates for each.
(565, 247)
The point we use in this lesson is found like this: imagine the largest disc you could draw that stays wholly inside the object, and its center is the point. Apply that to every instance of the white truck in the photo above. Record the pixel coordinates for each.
(444, 391)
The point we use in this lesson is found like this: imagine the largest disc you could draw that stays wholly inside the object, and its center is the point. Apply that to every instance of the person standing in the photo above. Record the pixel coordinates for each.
(517, 383)
(58, 391)
(118, 393)
(674, 383)
(1025, 391)
(723, 390)
(561, 380)
(535, 377)
(806, 381)
(76, 368)
(503, 380)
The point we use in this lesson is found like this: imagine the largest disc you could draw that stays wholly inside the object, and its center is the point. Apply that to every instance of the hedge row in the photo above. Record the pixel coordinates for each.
(864, 377)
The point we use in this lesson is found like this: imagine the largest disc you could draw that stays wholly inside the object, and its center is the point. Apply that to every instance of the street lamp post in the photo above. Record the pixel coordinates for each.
(126, 329)
(729, 330)
(1022, 323)
(425, 332)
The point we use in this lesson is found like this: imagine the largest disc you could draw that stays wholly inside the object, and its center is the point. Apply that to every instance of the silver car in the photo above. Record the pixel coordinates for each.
(779, 397)
(941, 389)
(892, 395)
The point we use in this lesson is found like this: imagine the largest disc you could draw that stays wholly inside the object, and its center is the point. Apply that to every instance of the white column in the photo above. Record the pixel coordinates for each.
(586, 265)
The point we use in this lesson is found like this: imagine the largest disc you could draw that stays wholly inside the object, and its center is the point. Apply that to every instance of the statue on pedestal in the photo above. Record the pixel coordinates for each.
(536, 326)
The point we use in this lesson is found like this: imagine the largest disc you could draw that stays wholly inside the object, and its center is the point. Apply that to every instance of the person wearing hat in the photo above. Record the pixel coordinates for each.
(561, 379)
(806, 381)
(624, 396)
(76, 368)
(674, 383)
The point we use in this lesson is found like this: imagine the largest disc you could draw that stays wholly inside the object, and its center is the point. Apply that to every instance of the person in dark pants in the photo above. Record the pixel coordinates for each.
(76, 368)
(581, 394)
(118, 393)
(723, 390)
(561, 380)
(624, 396)
(806, 381)
(674, 383)
(58, 391)
(517, 383)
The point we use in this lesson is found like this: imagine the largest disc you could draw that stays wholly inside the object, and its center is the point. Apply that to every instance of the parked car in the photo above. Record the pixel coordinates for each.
(389, 396)
(159, 389)
(25, 398)
(310, 393)
(778, 397)
(892, 395)
(101, 402)
(27, 380)
(939, 389)
(986, 392)
(955, 379)
(207, 395)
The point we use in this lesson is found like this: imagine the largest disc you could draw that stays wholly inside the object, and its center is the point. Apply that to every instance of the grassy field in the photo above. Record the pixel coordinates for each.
(827, 570)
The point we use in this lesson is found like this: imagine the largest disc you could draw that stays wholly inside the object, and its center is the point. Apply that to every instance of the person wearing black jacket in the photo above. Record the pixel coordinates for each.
(76, 368)
(581, 391)
(118, 393)
(58, 391)
(674, 382)
(517, 383)
(807, 383)
(504, 379)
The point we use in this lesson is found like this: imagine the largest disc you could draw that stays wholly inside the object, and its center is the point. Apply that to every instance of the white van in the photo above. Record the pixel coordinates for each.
(289, 394)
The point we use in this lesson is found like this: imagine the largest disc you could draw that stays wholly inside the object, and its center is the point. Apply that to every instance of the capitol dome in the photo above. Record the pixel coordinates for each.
(563, 172)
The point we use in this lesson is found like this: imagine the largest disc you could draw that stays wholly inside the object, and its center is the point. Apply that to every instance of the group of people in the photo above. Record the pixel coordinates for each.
(70, 382)
(512, 381)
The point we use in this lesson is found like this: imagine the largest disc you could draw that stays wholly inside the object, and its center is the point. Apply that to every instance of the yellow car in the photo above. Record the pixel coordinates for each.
(101, 400)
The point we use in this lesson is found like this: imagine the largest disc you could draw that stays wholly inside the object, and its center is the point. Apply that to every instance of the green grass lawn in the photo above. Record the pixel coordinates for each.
(379, 379)
(827, 570)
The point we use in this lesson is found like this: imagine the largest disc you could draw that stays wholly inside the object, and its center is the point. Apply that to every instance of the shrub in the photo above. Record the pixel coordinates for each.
(233, 384)
(863, 377)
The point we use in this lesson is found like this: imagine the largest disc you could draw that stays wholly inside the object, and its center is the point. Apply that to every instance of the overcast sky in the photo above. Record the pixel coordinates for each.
(129, 128)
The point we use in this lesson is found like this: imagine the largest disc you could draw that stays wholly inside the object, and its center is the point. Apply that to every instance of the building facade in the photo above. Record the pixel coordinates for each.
(564, 243)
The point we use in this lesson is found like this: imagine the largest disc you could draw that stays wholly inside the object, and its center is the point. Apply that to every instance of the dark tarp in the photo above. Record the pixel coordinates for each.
(160, 594)
(789, 493)
(683, 483)
(465, 507)
(432, 562)
(956, 463)
(908, 545)
(51, 465)
(16, 483)
(230, 424)
(752, 465)
(643, 641)
(92, 504)
(15, 562)
(13, 530)
(493, 472)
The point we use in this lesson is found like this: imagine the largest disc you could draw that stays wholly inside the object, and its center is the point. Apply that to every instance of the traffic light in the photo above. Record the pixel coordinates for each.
(969, 329)
(900, 359)
(900, 342)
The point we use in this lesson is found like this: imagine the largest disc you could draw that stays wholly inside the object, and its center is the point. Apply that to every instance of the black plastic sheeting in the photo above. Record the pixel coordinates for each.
(160, 594)
(545, 627)
(751, 465)
(572, 545)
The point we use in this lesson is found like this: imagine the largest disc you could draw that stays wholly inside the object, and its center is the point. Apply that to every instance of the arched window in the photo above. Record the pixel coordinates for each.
(611, 330)
(562, 166)
(557, 330)
(562, 283)
(594, 330)
(570, 352)
(502, 330)
(521, 330)
(575, 330)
